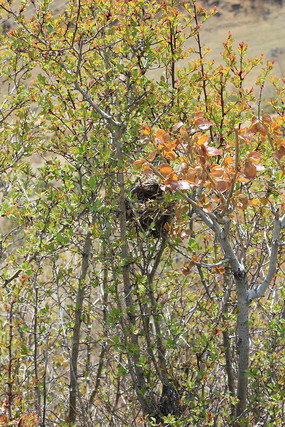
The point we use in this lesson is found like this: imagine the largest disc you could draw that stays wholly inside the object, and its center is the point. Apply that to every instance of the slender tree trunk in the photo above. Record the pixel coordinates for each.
(76, 330)
(37, 389)
(242, 345)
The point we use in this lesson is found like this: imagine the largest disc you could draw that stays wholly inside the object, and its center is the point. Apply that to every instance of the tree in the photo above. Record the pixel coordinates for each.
(106, 325)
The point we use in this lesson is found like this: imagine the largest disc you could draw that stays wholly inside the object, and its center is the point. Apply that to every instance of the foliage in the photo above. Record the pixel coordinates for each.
(141, 221)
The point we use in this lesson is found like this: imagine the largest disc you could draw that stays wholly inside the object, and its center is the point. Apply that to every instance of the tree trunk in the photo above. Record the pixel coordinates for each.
(76, 330)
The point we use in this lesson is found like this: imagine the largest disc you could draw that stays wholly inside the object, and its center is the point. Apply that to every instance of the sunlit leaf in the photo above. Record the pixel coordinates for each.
(254, 202)
(217, 171)
(183, 185)
(203, 139)
(170, 155)
(213, 151)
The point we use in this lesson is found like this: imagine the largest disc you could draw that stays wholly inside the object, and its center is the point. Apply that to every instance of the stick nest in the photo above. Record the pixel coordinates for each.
(147, 210)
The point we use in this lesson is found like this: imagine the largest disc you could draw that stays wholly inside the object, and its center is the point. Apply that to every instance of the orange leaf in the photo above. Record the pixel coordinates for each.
(208, 207)
(146, 130)
(139, 162)
(152, 156)
(146, 168)
(254, 156)
(165, 169)
(170, 155)
(184, 133)
(203, 139)
(228, 160)
(163, 136)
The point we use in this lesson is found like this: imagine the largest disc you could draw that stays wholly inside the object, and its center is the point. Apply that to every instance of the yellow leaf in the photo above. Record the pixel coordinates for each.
(184, 133)
(254, 202)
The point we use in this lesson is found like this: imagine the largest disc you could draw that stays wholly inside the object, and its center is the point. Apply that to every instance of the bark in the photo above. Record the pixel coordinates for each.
(242, 342)
(227, 347)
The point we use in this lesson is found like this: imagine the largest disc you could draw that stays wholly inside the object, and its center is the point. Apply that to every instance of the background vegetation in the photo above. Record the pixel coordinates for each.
(141, 222)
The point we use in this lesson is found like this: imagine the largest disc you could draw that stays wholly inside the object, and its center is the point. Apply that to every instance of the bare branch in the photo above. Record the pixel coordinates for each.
(260, 290)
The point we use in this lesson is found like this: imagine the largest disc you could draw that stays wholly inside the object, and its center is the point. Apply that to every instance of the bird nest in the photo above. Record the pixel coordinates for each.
(147, 210)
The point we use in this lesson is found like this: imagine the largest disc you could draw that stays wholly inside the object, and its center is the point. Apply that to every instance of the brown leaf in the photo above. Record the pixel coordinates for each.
(249, 169)
(187, 267)
(278, 154)
(222, 185)
(266, 118)
(203, 124)
(152, 156)
(242, 201)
